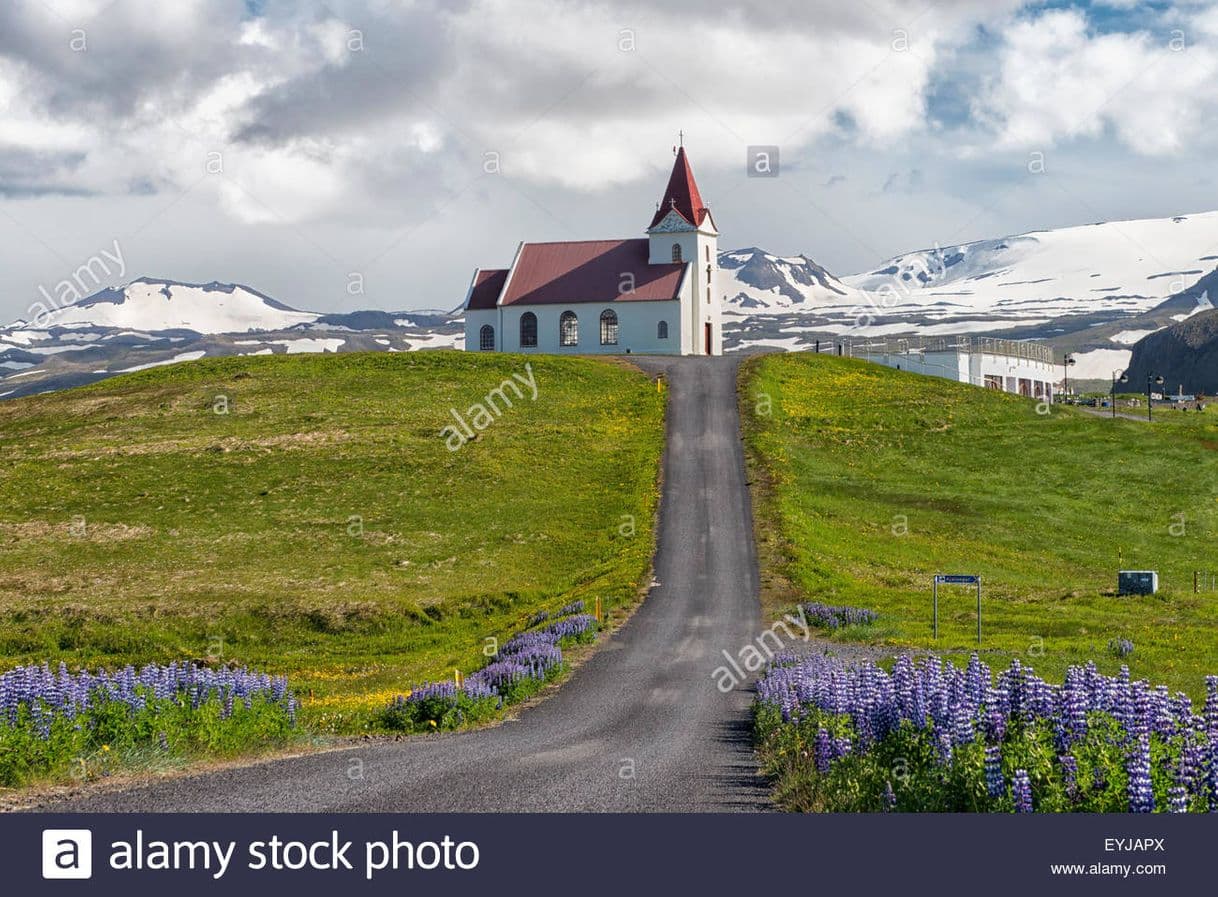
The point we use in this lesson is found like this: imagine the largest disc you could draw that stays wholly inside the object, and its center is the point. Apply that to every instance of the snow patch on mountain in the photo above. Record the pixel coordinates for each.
(1129, 337)
(1099, 364)
(184, 356)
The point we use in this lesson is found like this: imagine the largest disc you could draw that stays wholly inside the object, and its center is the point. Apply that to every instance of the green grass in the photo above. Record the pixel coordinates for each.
(321, 529)
(870, 480)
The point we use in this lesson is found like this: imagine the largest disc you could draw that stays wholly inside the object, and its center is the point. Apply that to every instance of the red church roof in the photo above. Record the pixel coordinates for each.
(488, 283)
(590, 271)
(682, 194)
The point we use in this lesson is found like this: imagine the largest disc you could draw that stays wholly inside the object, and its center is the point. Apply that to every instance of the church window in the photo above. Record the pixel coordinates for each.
(528, 330)
(662, 330)
(608, 327)
(486, 338)
(676, 252)
(568, 329)
(708, 253)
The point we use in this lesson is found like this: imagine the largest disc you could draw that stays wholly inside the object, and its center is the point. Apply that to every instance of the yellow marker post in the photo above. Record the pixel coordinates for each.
(597, 614)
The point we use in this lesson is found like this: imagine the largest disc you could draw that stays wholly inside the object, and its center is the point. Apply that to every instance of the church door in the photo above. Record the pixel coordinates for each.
(709, 340)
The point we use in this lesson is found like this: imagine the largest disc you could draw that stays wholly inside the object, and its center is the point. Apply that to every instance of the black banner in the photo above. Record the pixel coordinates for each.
(184, 854)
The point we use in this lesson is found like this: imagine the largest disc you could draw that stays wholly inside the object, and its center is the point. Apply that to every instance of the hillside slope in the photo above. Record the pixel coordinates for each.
(305, 514)
(879, 479)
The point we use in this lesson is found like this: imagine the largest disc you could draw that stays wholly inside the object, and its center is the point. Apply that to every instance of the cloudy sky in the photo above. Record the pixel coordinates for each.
(300, 147)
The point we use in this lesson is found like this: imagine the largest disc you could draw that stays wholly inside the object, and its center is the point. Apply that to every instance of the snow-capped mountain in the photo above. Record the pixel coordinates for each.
(1127, 265)
(1090, 289)
(151, 304)
(153, 322)
(753, 281)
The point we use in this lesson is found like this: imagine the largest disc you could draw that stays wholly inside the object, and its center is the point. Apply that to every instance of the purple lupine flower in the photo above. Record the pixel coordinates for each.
(956, 708)
(943, 748)
(1021, 791)
(823, 750)
(1210, 717)
(569, 627)
(1137, 764)
(826, 616)
(1069, 767)
(995, 782)
(1177, 799)
(61, 694)
(890, 797)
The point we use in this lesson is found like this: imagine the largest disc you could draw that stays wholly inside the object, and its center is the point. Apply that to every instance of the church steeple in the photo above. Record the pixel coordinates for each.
(681, 195)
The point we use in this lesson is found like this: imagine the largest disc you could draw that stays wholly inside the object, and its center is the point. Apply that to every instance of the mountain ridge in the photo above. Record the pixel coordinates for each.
(1037, 285)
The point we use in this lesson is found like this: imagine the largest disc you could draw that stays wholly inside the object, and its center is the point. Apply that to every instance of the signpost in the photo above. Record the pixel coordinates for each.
(957, 579)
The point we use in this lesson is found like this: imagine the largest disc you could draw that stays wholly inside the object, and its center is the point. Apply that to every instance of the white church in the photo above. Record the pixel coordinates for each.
(652, 295)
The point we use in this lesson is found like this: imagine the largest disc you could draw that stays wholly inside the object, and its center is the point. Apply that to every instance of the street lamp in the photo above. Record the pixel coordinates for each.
(1151, 379)
(1066, 362)
(1124, 378)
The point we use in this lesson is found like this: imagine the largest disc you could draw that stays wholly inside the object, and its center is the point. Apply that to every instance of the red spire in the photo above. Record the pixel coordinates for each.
(681, 194)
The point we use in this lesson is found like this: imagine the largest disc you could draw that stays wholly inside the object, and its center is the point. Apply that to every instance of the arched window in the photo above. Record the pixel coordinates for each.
(568, 329)
(708, 253)
(486, 338)
(676, 252)
(528, 330)
(662, 330)
(608, 327)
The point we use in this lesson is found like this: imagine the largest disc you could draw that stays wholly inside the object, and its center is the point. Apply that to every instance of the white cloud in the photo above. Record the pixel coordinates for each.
(380, 152)
(1058, 80)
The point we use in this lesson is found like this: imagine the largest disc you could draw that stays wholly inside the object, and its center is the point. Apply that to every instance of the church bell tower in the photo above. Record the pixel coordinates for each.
(683, 231)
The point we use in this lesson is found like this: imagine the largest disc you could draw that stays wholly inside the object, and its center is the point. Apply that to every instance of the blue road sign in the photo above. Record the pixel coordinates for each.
(960, 579)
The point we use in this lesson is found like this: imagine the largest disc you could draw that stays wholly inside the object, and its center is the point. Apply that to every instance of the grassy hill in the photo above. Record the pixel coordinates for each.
(304, 515)
(871, 480)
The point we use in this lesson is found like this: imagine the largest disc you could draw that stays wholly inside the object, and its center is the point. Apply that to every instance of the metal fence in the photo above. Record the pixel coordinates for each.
(923, 345)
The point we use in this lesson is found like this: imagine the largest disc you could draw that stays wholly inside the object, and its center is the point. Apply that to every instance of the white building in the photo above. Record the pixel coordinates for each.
(651, 295)
(1024, 368)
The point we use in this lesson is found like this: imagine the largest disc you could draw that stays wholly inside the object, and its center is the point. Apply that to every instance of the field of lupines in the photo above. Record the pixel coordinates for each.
(518, 669)
(85, 724)
(930, 737)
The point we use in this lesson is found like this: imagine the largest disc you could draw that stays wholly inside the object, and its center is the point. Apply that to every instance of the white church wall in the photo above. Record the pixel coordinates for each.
(700, 301)
(687, 316)
(474, 320)
(638, 328)
(661, 243)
